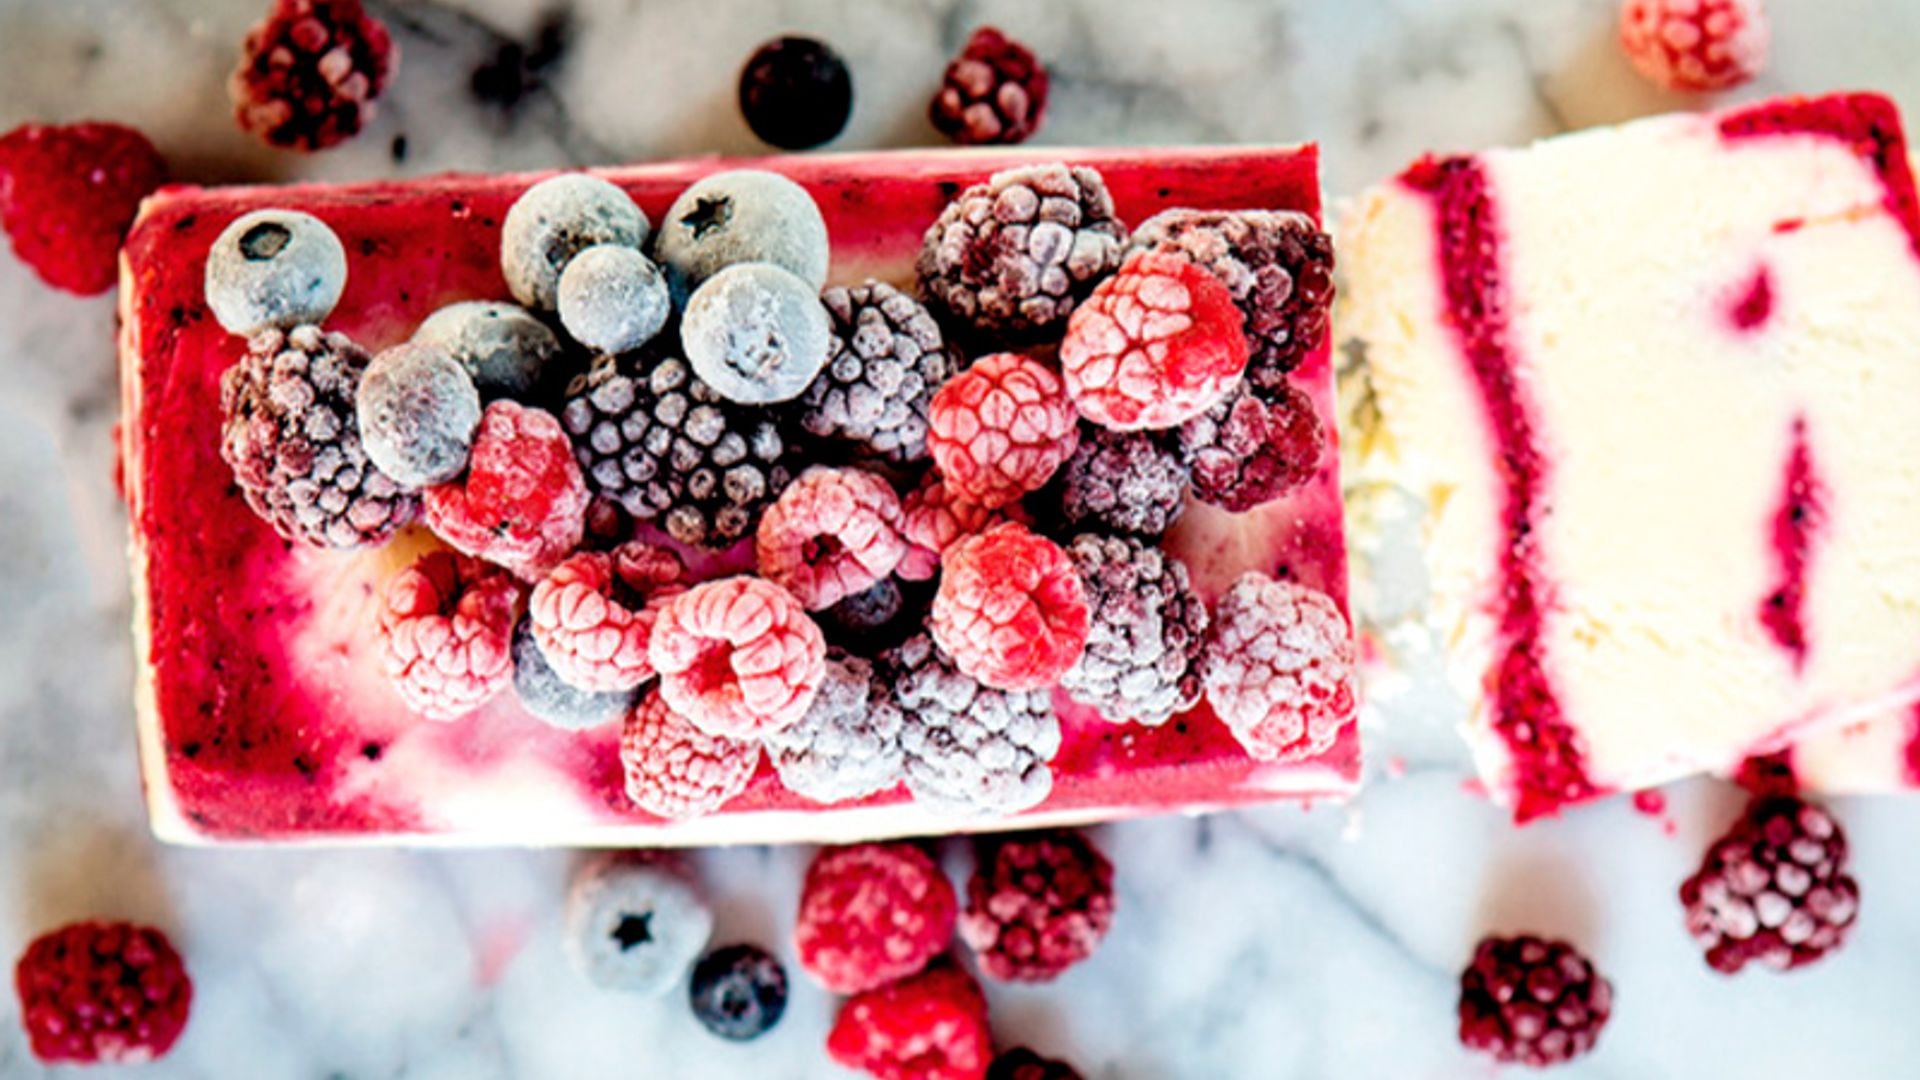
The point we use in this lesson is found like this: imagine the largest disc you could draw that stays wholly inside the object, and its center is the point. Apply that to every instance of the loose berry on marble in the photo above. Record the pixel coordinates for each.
(310, 73)
(1010, 257)
(1037, 904)
(970, 750)
(1773, 889)
(100, 992)
(635, 922)
(418, 411)
(742, 216)
(756, 333)
(274, 269)
(446, 633)
(995, 91)
(673, 769)
(737, 657)
(1279, 667)
(1532, 1002)
(933, 518)
(738, 992)
(871, 914)
(1146, 632)
(523, 502)
(795, 93)
(1695, 45)
(68, 195)
(831, 534)
(612, 299)
(503, 347)
(847, 746)
(1021, 1063)
(1132, 482)
(593, 614)
(932, 1026)
(551, 699)
(1253, 448)
(1011, 610)
(1001, 429)
(884, 362)
(556, 219)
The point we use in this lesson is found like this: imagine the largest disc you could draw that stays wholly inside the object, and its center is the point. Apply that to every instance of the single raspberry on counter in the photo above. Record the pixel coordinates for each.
(523, 502)
(932, 1026)
(738, 657)
(1253, 448)
(1695, 45)
(1011, 611)
(871, 914)
(847, 746)
(795, 93)
(1021, 1063)
(1037, 904)
(1146, 633)
(594, 613)
(310, 72)
(1155, 345)
(831, 534)
(446, 628)
(995, 91)
(933, 517)
(1001, 429)
(1012, 256)
(969, 750)
(1279, 668)
(885, 360)
(635, 921)
(673, 769)
(738, 992)
(1532, 1002)
(102, 992)
(1124, 481)
(68, 194)
(1773, 889)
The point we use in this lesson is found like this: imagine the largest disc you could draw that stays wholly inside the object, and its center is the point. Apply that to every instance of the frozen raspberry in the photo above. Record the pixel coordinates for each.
(446, 625)
(756, 333)
(556, 219)
(1021, 1063)
(1155, 344)
(831, 534)
(290, 433)
(594, 613)
(1124, 481)
(275, 269)
(932, 518)
(418, 411)
(69, 193)
(1146, 632)
(847, 746)
(1011, 611)
(1012, 256)
(1532, 1002)
(932, 1026)
(738, 992)
(969, 749)
(1037, 904)
(635, 922)
(551, 699)
(102, 992)
(1773, 889)
(1253, 448)
(995, 91)
(1279, 668)
(795, 93)
(1001, 429)
(871, 914)
(886, 359)
(523, 503)
(738, 657)
(1695, 45)
(673, 769)
(310, 72)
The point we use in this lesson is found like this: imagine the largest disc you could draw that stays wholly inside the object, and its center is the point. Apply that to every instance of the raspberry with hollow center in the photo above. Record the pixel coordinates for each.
(831, 534)
(594, 613)
(932, 517)
(1155, 345)
(1695, 45)
(932, 1026)
(995, 91)
(1037, 904)
(446, 625)
(738, 657)
(673, 769)
(102, 992)
(1253, 448)
(871, 914)
(1011, 610)
(1279, 667)
(68, 194)
(523, 502)
(1773, 889)
(1000, 429)
(1532, 1002)
(309, 73)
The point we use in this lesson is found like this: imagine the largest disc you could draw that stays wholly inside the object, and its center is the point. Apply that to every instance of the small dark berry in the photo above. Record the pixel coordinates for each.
(795, 93)
(1532, 1002)
(739, 992)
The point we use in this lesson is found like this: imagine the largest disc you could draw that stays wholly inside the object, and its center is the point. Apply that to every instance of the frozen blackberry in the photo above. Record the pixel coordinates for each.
(418, 411)
(1532, 1002)
(1774, 889)
(885, 360)
(1012, 256)
(612, 299)
(1147, 632)
(310, 73)
(795, 93)
(556, 219)
(1253, 447)
(503, 347)
(290, 432)
(847, 746)
(970, 749)
(756, 333)
(274, 268)
(741, 216)
(659, 442)
(1124, 482)
(738, 992)
(552, 699)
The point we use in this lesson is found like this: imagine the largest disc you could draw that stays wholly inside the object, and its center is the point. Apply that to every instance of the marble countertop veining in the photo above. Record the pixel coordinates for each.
(1278, 943)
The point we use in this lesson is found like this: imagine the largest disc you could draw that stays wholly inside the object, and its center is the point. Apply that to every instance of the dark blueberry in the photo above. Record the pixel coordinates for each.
(739, 992)
(795, 93)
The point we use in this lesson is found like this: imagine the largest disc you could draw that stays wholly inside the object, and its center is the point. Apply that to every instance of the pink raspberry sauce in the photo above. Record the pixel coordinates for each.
(1754, 302)
(1912, 763)
(1795, 525)
(1869, 123)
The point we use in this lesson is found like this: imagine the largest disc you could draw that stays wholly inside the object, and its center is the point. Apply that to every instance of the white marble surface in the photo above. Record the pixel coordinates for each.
(1271, 944)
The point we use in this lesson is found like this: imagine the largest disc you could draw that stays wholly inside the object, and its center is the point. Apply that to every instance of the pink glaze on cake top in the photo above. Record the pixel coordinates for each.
(1796, 524)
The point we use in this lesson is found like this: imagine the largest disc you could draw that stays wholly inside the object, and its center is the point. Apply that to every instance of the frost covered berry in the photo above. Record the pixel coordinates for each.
(503, 347)
(593, 615)
(523, 502)
(932, 1026)
(756, 333)
(831, 534)
(1253, 448)
(446, 628)
(1131, 482)
(738, 656)
(1145, 635)
(871, 914)
(310, 73)
(556, 219)
(1037, 904)
(847, 745)
(1001, 429)
(1279, 668)
(418, 411)
(551, 699)
(675, 770)
(742, 216)
(1532, 1002)
(274, 269)
(1695, 45)
(885, 361)
(995, 91)
(933, 517)
(635, 922)
(970, 749)
(612, 299)
(102, 993)
(1011, 610)
(1774, 889)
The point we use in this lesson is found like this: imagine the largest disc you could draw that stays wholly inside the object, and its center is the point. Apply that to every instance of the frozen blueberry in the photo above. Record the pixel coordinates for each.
(274, 268)
(756, 333)
(613, 299)
(745, 215)
(502, 346)
(555, 219)
(553, 700)
(635, 923)
(418, 412)
(795, 93)
(739, 992)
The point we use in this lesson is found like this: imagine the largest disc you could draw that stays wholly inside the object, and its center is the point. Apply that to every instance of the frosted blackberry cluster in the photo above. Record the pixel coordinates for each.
(969, 749)
(1124, 481)
(1146, 636)
(848, 744)
(885, 360)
